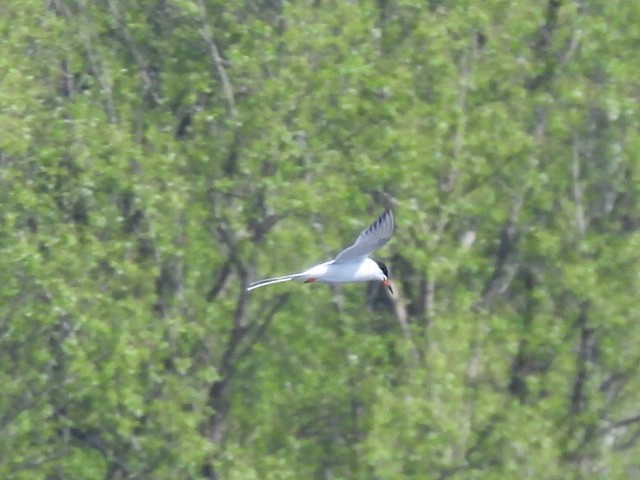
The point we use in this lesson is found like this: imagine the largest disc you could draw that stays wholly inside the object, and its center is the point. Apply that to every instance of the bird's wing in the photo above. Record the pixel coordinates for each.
(369, 240)
(271, 281)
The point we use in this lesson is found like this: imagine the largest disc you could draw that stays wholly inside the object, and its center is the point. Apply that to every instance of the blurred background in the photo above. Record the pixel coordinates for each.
(157, 156)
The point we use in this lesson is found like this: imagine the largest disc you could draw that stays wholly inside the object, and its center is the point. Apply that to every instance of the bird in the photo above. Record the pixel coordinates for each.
(352, 264)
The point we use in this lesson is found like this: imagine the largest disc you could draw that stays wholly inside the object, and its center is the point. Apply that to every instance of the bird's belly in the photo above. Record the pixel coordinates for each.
(342, 273)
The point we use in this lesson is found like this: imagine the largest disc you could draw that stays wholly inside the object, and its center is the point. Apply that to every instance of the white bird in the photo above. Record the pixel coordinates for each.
(352, 264)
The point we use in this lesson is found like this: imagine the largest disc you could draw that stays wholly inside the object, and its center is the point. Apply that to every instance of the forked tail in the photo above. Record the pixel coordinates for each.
(271, 281)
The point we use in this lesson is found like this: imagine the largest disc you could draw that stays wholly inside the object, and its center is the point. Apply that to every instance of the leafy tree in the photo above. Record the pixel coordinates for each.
(158, 156)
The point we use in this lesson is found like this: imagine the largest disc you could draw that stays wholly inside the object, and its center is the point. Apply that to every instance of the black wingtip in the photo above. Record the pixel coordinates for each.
(379, 221)
(388, 213)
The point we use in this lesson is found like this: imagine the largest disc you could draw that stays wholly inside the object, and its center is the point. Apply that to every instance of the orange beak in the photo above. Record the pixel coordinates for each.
(387, 284)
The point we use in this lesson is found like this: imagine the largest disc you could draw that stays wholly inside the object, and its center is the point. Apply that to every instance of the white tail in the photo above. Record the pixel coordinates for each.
(271, 281)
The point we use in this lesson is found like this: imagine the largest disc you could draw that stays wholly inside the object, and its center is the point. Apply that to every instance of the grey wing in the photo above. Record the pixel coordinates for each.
(370, 239)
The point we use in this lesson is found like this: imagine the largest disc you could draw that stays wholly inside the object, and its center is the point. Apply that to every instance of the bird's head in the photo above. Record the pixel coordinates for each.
(385, 276)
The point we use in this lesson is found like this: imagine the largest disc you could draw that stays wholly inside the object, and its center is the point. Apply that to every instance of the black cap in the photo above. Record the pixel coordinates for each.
(383, 267)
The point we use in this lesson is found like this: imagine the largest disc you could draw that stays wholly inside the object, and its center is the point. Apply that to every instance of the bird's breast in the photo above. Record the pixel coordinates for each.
(362, 271)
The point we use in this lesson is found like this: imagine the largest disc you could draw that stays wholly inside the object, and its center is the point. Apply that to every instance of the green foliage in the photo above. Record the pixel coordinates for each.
(156, 157)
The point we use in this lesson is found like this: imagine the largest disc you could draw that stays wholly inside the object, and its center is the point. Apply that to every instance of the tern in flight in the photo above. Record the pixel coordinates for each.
(352, 264)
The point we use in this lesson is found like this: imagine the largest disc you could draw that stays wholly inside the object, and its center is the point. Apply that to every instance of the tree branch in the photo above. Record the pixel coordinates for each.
(207, 36)
(625, 422)
(502, 275)
(581, 221)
